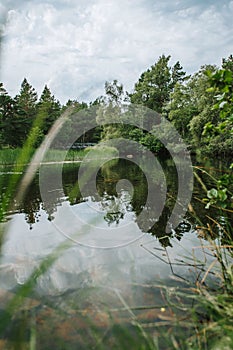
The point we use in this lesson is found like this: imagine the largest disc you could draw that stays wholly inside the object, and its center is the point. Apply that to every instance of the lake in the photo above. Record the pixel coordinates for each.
(100, 253)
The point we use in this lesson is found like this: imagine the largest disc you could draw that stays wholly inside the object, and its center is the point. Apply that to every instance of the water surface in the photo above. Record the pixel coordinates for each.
(113, 261)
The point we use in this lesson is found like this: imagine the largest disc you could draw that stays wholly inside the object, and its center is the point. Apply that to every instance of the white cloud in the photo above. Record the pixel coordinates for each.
(75, 48)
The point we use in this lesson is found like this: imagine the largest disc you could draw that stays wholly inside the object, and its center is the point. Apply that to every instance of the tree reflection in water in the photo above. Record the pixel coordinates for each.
(121, 191)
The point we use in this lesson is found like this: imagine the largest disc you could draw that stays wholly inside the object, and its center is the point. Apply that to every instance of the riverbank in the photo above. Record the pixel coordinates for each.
(9, 156)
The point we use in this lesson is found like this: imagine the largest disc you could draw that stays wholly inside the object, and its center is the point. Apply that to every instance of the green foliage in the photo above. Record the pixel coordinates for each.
(7, 112)
(152, 90)
(17, 115)
(26, 99)
(151, 143)
(181, 109)
(9, 156)
(221, 195)
(110, 109)
(201, 110)
(155, 85)
(220, 133)
(136, 134)
(115, 92)
(217, 197)
(25, 114)
(201, 101)
(50, 107)
(200, 107)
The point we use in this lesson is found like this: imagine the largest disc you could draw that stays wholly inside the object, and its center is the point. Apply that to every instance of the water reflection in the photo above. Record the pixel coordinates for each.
(117, 195)
(120, 195)
(108, 216)
(121, 189)
(87, 286)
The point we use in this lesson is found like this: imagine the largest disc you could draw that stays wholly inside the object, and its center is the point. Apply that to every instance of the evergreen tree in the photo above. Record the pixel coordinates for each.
(88, 135)
(50, 107)
(7, 110)
(177, 75)
(26, 109)
(26, 100)
(155, 85)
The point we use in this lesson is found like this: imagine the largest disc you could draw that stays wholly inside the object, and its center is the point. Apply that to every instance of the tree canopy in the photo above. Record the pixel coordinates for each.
(200, 107)
(155, 85)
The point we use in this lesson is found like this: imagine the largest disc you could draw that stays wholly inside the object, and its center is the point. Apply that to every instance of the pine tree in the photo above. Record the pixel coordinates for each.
(26, 110)
(155, 85)
(7, 110)
(177, 75)
(26, 100)
(50, 107)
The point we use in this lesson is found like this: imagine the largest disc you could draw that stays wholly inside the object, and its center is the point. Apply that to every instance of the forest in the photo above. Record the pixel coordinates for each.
(200, 106)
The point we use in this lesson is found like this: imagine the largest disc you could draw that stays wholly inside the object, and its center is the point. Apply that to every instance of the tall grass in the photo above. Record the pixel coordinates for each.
(9, 156)
(212, 294)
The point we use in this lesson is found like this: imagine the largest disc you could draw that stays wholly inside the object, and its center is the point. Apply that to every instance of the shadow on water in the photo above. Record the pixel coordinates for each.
(84, 263)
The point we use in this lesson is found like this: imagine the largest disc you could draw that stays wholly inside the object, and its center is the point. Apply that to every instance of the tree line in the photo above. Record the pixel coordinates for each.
(200, 106)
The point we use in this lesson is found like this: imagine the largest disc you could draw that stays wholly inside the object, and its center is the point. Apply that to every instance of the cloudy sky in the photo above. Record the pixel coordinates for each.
(74, 46)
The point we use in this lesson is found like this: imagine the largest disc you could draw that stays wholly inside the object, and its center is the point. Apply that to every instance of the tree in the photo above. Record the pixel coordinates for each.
(7, 110)
(89, 135)
(227, 63)
(177, 75)
(50, 107)
(202, 101)
(26, 100)
(155, 85)
(26, 109)
(181, 109)
(110, 109)
(115, 93)
(220, 132)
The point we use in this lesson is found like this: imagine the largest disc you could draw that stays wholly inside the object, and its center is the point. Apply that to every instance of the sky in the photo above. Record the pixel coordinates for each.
(74, 46)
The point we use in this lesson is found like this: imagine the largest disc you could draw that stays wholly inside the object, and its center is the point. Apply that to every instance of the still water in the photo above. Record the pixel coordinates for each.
(105, 264)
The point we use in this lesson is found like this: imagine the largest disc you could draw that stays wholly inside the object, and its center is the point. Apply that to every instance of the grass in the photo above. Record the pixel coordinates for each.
(10, 156)
(212, 310)
(211, 314)
(95, 152)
